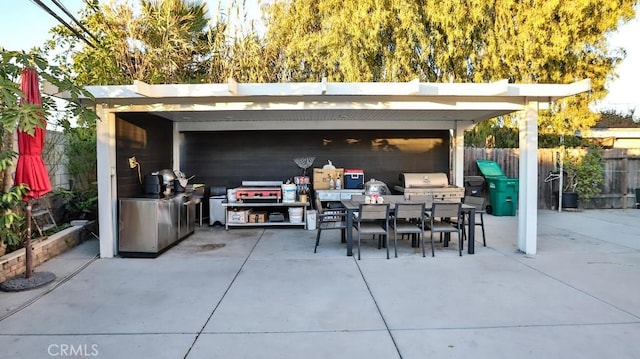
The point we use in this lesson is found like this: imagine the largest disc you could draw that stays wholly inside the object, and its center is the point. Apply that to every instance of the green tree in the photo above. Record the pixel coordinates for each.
(555, 42)
(14, 115)
(350, 41)
(243, 51)
(370, 40)
(165, 42)
(168, 41)
(468, 41)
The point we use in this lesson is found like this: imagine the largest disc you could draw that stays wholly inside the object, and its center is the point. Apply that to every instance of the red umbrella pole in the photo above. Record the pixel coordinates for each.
(27, 245)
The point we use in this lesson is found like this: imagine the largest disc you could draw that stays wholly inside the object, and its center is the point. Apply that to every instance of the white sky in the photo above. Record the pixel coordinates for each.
(623, 93)
(15, 35)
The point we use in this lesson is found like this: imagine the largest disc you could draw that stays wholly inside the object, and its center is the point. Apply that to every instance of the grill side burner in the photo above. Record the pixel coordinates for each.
(429, 184)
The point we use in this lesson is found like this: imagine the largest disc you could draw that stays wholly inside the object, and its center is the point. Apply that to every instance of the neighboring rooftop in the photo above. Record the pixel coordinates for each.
(615, 120)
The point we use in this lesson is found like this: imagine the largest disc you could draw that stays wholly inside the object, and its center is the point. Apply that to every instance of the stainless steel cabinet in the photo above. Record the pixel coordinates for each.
(186, 216)
(147, 226)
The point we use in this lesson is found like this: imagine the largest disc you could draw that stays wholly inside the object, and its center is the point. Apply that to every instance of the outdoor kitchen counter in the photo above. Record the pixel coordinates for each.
(149, 224)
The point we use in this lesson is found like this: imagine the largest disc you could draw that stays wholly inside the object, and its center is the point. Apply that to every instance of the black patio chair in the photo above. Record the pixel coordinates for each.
(330, 219)
(408, 218)
(479, 204)
(373, 219)
(439, 221)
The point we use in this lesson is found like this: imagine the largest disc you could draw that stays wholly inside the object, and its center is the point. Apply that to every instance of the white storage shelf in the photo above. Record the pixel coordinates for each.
(229, 206)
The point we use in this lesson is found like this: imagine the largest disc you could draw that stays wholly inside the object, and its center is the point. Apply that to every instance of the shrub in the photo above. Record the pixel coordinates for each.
(77, 204)
(584, 174)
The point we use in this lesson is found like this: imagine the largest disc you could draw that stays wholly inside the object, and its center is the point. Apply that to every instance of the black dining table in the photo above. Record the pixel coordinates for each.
(352, 206)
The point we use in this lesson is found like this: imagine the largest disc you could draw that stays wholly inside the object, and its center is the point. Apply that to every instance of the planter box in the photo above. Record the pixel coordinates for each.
(13, 264)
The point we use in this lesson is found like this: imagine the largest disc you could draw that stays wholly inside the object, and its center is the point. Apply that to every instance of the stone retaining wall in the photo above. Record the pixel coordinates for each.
(13, 263)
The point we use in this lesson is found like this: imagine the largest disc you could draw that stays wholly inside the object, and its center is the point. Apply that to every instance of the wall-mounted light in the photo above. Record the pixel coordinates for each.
(133, 163)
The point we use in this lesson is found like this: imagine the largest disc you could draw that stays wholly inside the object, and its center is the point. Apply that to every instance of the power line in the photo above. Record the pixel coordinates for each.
(64, 9)
(60, 20)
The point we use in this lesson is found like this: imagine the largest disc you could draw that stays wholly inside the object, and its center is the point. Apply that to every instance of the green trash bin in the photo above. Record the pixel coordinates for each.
(503, 191)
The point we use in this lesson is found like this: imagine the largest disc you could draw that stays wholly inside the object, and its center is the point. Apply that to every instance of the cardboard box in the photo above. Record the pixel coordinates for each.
(353, 179)
(321, 177)
(238, 216)
(258, 217)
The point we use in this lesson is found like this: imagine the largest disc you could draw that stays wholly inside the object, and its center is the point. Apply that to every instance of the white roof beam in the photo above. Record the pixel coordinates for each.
(464, 89)
(317, 105)
(551, 91)
(412, 89)
(233, 87)
(176, 90)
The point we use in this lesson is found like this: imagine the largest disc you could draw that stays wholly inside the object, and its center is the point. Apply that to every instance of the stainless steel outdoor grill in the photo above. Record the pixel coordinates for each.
(429, 184)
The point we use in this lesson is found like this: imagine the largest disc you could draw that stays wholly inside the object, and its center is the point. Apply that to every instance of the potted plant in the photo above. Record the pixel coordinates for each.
(584, 176)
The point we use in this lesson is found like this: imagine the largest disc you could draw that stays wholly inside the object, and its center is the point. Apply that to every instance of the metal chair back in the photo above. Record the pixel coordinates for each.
(445, 210)
(373, 211)
(410, 210)
(477, 202)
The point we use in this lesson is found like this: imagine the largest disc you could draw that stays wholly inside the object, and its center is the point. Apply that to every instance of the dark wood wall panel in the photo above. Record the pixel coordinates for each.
(228, 158)
(149, 138)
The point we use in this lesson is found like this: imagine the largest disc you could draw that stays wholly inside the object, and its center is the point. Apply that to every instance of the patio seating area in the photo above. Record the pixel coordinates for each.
(263, 292)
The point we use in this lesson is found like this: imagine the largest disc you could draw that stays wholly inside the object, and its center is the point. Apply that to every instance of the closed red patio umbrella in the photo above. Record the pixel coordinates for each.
(30, 169)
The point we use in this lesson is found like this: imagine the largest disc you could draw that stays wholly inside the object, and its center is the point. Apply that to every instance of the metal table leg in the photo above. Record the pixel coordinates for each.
(472, 231)
(349, 232)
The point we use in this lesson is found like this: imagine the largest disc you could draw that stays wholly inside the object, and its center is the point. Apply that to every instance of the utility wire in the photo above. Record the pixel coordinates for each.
(60, 20)
(64, 9)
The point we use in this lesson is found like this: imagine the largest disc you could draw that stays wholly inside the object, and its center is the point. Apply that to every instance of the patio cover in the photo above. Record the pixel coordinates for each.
(321, 105)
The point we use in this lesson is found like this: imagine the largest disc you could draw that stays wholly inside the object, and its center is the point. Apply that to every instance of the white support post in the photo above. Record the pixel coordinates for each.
(106, 173)
(458, 154)
(176, 147)
(528, 171)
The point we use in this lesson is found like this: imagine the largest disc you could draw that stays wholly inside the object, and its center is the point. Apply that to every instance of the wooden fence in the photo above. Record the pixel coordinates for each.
(621, 174)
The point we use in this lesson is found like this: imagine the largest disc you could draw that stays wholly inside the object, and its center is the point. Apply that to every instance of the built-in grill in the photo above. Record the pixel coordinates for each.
(429, 184)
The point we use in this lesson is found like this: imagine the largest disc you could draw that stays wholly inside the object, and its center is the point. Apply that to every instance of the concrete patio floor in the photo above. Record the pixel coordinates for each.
(263, 293)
